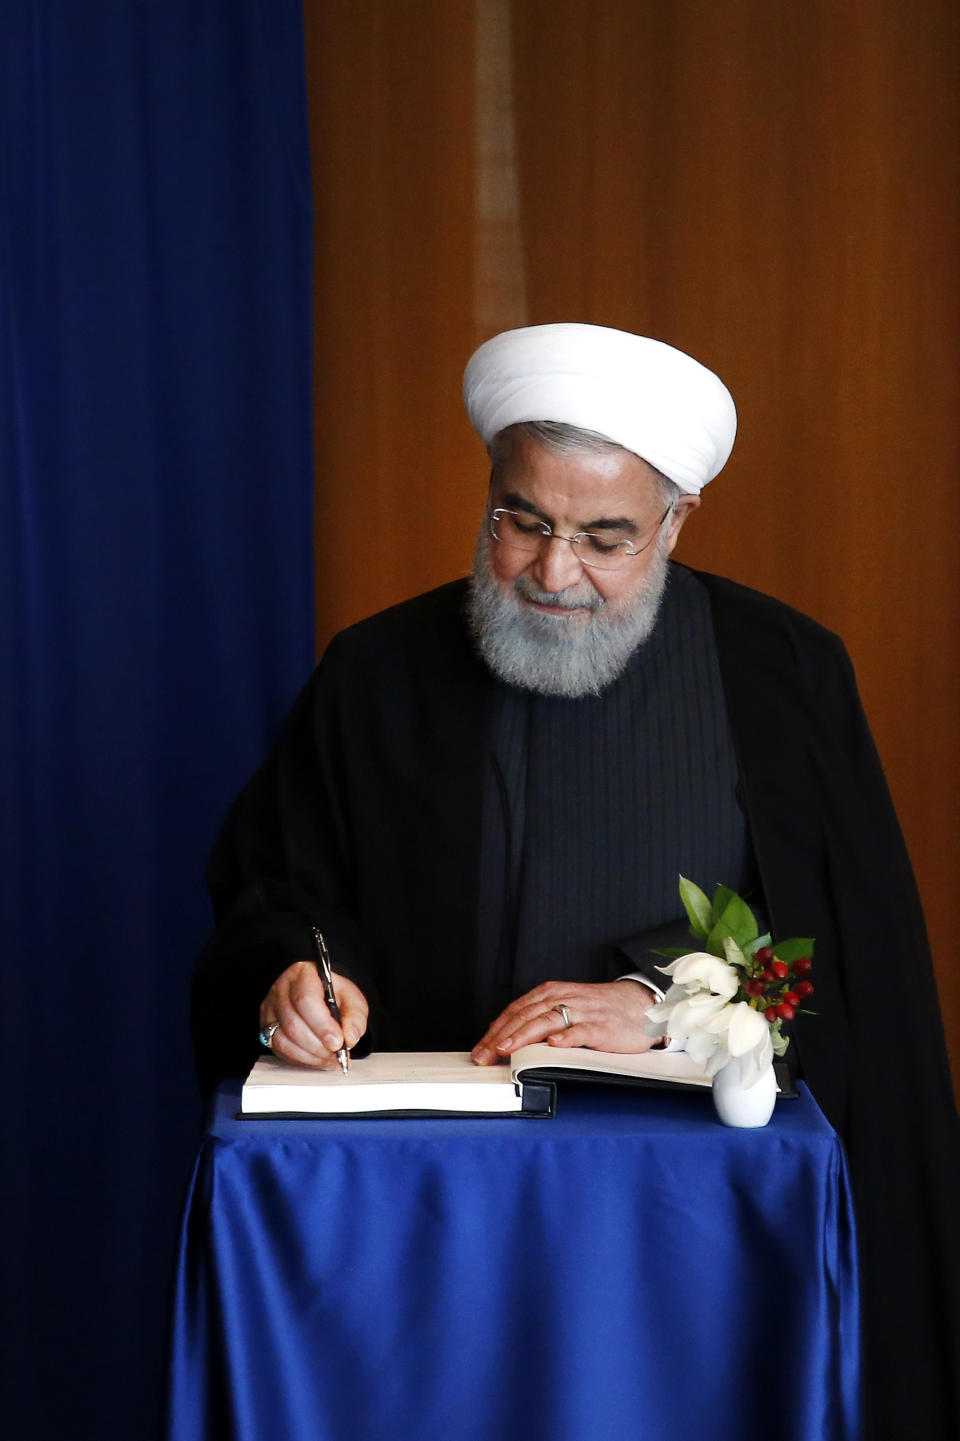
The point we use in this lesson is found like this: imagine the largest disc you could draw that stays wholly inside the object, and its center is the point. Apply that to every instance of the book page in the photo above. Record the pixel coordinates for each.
(384, 1081)
(673, 1066)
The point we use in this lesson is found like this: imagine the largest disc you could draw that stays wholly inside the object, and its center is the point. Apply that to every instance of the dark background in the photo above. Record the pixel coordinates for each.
(157, 618)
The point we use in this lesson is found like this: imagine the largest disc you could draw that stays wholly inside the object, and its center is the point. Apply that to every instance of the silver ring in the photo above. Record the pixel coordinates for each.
(565, 1014)
(266, 1034)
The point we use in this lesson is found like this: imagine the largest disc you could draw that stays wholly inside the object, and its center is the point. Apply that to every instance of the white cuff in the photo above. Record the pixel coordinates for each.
(642, 980)
(652, 986)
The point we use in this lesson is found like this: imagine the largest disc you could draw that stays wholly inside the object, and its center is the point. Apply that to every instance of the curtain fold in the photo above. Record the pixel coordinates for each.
(155, 582)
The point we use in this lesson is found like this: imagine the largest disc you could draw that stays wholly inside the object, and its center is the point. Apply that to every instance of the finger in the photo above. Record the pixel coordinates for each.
(517, 1015)
(532, 1003)
(354, 1011)
(297, 1033)
(315, 1032)
(605, 1035)
(354, 1025)
(503, 1033)
(288, 1050)
(508, 1019)
(304, 1010)
(282, 1045)
(296, 1000)
(505, 1025)
(584, 1034)
(537, 1028)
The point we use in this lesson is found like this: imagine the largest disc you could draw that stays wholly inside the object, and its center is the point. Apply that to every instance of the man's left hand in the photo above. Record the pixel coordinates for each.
(606, 1016)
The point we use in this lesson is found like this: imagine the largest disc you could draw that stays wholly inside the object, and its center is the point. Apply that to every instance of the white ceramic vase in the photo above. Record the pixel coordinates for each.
(740, 1105)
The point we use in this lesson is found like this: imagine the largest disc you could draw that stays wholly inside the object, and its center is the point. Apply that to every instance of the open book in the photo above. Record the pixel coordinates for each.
(447, 1082)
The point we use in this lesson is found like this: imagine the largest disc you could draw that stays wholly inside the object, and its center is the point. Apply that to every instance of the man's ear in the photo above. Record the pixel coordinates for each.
(684, 507)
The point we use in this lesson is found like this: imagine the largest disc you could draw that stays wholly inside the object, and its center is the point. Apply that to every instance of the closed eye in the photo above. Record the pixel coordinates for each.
(597, 545)
(520, 524)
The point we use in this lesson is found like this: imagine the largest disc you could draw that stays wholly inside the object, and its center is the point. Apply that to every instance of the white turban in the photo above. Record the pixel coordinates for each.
(648, 397)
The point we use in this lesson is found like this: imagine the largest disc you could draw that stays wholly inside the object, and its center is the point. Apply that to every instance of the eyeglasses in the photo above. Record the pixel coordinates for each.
(524, 532)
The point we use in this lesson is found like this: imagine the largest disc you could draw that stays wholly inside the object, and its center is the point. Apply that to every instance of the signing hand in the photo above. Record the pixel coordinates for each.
(307, 1034)
(606, 1017)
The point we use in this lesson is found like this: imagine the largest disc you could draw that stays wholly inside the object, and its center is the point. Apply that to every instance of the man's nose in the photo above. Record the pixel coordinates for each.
(557, 565)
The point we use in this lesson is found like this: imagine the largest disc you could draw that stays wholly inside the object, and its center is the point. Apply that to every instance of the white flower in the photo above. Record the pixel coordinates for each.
(747, 1029)
(697, 1011)
(693, 1013)
(700, 1046)
(700, 971)
(742, 1031)
(754, 1063)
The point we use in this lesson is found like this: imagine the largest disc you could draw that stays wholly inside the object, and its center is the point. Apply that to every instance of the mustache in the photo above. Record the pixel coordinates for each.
(573, 598)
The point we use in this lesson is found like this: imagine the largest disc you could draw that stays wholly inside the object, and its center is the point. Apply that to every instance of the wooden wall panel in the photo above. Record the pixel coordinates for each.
(771, 185)
(391, 120)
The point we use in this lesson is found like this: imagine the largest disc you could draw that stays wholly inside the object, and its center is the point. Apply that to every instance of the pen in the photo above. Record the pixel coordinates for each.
(322, 957)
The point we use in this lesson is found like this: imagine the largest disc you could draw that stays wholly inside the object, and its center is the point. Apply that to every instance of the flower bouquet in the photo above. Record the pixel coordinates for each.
(731, 999)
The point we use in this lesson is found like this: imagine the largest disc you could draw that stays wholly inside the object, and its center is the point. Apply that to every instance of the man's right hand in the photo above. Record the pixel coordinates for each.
(306, 1033)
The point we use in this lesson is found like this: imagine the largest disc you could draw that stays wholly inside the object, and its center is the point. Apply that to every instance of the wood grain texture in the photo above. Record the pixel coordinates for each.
(770, 185)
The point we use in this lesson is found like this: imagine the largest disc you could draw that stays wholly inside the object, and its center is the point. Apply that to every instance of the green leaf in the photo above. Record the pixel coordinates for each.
(714, 942)
(740, 920)
(721, 899)
(780, 1042)
(697, 907)
(751, 948)
(736, 920)
(672, 953)
(733, 954)
(793, 949)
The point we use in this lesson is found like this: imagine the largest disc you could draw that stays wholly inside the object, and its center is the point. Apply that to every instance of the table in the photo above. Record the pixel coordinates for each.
(630, 1269)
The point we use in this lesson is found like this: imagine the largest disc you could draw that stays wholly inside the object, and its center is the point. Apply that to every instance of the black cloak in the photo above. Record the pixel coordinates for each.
(365, 819)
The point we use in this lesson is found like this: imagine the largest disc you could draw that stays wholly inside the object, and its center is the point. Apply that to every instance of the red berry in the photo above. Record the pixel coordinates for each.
(791, 997)
(780, 969)
(785, 1012)
(804, 988)
(803, 966)
(772, 1013)
(768, 976)
(764, 955)
(755, 988)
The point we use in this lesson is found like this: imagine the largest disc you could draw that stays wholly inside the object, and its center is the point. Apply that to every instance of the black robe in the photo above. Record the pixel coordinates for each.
(365, 819)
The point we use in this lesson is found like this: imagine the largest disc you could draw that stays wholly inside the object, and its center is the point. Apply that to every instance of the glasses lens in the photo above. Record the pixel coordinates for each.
(601, 554)
(520, 532)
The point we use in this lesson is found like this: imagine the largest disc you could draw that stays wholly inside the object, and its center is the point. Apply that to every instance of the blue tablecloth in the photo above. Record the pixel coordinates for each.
(630, 1269)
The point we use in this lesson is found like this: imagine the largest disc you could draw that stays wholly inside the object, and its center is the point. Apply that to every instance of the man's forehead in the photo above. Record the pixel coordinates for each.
(591, 485)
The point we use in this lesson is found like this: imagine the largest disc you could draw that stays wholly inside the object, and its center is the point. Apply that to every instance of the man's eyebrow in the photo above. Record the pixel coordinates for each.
(613, 522)
(512, 501)
(608, 522)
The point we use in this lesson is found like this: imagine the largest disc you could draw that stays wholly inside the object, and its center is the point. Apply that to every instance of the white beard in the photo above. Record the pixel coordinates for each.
(554, 654)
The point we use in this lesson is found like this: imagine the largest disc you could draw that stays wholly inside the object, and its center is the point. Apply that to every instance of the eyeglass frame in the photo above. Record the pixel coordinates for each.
(548, 533)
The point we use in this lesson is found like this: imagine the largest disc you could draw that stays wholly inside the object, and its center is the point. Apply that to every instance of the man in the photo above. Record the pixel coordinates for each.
(485, 797)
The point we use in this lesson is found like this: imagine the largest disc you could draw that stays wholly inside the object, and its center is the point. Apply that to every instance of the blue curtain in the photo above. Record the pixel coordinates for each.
(155, 622)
